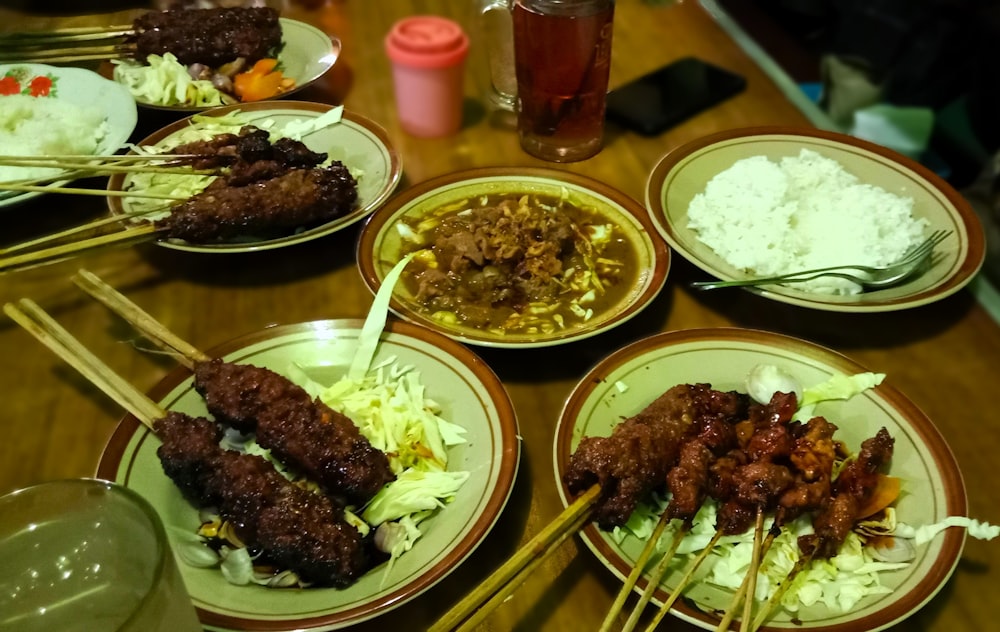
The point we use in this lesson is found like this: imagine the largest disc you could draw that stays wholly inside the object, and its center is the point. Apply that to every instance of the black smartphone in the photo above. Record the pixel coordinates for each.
(663, 98)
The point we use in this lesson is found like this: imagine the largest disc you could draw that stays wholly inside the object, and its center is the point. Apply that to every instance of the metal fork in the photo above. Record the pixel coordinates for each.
(869, 277)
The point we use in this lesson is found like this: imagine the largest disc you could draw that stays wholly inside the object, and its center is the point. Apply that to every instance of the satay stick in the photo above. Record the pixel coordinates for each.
(780, 591)
(734, 604)
(654, 580)
(684, 581)
(758, 533)
(637, 568)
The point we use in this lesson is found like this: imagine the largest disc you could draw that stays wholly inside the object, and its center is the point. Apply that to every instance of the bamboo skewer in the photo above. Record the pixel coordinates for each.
(538, 547)
(780, 591)
(654, 580)
(108, 168)
(30, 188)
(133, 235)
(138, 318)
(43, 327)
(684, 581)
(55, 237)
(508, 588)
(742, 590)
(637, 568)
(752, 572)
(70, 32)
(89, 159)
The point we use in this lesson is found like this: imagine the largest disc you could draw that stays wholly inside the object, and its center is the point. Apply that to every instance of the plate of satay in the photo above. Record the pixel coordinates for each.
(765, 201)
(515, 257)
(309, 476)
(735, 449)
(186, 60)
(257, 176)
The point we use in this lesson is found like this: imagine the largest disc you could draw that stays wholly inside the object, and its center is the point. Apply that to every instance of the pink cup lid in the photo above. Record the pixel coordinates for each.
(426, 41)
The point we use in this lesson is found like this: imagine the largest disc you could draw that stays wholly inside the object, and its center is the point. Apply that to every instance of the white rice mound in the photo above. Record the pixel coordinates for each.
(768, 218)
(46, 126)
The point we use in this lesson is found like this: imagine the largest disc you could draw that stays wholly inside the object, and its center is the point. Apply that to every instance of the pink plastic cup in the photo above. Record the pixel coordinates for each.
(428, 65)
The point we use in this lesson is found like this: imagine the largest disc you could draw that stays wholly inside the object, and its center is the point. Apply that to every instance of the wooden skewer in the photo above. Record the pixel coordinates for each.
(780, 591)
(133, 235)
(114, 158)
(538, 546)
(102, 169)
(508, 589)
(748, 602)
(654, 580)
(70, 31)
(30, 188)
(138, 318)
(734, 604)
(43, 327)
(65, 54)
(56, 237)
(637, 568)
(684, 581)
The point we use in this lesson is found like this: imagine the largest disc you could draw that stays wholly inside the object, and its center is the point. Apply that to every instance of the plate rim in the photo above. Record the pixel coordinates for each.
(953, 540)
(509, 463)
(659, 270)
(379, 133)
(963, 215)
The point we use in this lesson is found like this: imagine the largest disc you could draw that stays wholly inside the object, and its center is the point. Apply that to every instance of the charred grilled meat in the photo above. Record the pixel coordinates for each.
(635, 459)
(297, 198)
(301, 432)
(211, 37)
(291, 527)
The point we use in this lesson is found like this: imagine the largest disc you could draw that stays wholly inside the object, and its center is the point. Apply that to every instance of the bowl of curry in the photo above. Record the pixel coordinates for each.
(515, 257)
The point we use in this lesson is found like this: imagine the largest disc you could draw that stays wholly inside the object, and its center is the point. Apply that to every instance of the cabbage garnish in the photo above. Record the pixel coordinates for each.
(413, 491)
(165, 81)
(837, 387)
(926, 533)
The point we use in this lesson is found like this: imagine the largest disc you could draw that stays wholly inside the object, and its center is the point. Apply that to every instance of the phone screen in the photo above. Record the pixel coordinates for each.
(654, 102)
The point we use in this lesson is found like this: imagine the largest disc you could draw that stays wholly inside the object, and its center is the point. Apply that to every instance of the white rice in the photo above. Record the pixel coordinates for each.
(806, 211)
(45, 126)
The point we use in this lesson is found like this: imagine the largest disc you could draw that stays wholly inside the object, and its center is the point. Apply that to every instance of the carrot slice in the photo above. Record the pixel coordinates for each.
(885, 493)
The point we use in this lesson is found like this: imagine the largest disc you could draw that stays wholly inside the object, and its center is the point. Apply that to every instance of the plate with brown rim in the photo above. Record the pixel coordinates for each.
(469, 394)
(361, 144)
(932, 487)
(384, 240)
(684, 172)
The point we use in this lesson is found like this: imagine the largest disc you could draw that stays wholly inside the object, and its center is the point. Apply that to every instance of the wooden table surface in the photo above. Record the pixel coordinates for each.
(945, 356)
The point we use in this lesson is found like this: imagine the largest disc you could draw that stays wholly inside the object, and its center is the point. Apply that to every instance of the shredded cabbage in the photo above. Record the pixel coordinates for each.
(163, 80)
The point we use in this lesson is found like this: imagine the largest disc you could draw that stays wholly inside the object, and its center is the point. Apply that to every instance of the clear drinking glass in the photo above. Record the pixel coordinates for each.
(562, 61)
(88, 555)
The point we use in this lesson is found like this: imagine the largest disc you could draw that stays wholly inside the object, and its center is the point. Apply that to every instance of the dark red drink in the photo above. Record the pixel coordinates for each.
(562, 52)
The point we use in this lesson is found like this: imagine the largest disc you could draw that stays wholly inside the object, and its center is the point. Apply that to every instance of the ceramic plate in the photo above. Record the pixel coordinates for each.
(80, 87)
(360, 143)
(468, 392)
(305, 57)
(379, 246)
(684, 172)
(932, 488)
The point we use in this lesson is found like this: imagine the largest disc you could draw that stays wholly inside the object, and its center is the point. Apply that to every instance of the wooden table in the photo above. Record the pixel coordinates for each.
(945, 356)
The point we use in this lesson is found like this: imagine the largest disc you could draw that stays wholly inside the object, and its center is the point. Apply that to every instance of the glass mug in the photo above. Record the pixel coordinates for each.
(560, 51)
(90, 556)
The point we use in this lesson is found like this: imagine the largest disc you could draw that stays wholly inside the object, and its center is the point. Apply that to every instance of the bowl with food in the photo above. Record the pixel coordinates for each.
(515, 257)
(279, 536)
(58, 112)
(192, 59)
(759, 202)
(255, 177)
(763, 452)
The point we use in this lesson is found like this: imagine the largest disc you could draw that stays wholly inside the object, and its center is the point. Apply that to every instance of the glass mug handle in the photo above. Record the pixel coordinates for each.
(498, 32)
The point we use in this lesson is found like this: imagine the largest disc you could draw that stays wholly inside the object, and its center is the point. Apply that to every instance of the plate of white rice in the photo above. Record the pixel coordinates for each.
(760, 202)
(54, 111)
